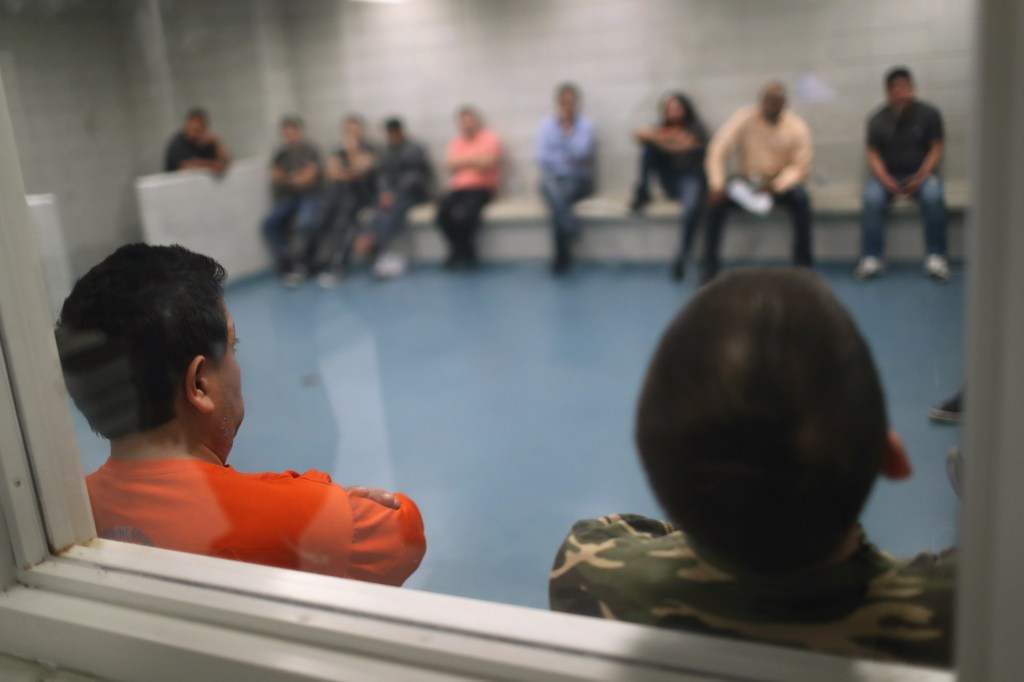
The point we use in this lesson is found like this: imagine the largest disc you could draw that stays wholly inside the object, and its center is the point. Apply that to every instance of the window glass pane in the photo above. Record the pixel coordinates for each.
(494, 378)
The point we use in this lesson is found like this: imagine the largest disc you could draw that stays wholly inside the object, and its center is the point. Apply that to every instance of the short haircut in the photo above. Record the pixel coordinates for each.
(393, 125)
(353, 118)
(197, 112)
(293, 121)
(895, 73)
(469, 109)
(568, 87)
(761, 423)
(131, 327)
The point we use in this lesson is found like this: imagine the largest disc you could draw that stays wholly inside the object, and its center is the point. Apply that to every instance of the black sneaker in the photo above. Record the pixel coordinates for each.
(639, 203)
(948, 411)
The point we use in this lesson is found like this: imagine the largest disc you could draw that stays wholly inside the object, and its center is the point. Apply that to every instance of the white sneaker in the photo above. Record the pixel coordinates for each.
(937, 267)
(389, 265)
(868, 267)
(294, 279)
(327, 280)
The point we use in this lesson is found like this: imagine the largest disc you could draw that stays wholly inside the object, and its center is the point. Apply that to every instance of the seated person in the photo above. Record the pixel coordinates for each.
(775, 152)
(148, 351)
(403, 181)
(566, 147)
(762, 428)
(905, 147)
(295, 175)
(195, 146)
(675, 152)
(350, 190)
(473, 159)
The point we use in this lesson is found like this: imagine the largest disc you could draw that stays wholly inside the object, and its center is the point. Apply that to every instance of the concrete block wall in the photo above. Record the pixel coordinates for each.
(423, 58)
(98, 87)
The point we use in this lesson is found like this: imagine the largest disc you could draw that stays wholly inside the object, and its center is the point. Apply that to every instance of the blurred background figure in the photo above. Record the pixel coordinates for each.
(404, 180)
(565, 151)
(674, 152)
(194, 146)
(350, 191)
(296, 180)
(474, 162)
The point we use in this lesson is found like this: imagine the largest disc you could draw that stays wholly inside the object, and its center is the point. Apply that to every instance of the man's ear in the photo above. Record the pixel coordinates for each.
(197, 385)
(895, 462)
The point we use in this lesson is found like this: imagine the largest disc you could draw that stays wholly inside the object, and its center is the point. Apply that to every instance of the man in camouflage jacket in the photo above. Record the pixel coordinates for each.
(762, 428)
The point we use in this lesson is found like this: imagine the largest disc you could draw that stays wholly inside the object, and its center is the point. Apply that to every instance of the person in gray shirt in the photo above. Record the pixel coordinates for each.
(296, 177)
(404, 179)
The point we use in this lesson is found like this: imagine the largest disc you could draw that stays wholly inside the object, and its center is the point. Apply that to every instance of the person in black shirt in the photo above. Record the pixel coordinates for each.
(404, 179)
(350, 172)
(195, 147)
(905, 145)
(675, 153)
(296, 178)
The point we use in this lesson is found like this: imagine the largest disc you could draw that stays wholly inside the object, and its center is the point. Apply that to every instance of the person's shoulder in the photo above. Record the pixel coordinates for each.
(927, 108)
(621, 540)
(879, 114)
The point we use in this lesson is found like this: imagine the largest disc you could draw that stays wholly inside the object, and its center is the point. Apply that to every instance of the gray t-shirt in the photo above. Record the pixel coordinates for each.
(293, 158)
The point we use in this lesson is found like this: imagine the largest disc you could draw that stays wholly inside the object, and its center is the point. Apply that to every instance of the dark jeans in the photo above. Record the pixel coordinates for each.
(799, 204)
(339, 222)
(685, 186)
(560, 193)
(304, 210)
(458, 216)
(388, 222)
(876, 205)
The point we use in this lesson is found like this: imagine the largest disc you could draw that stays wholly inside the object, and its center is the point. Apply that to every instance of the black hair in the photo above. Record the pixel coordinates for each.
(692, 120)
(292, 120)
(895, 73)
(130, 328)
(761, 423)
(197, 112)
(568, 87)
(393, 125)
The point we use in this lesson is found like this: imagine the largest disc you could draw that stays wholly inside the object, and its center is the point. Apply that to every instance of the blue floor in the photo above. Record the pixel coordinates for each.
(502, 401)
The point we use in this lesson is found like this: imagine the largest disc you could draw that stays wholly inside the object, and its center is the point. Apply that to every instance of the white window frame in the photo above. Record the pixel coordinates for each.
(126, 612)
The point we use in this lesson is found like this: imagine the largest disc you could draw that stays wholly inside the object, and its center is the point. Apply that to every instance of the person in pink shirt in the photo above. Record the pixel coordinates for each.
(473, 160)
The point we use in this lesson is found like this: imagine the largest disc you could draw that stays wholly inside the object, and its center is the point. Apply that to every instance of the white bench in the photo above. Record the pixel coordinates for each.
(221, 216)
(216, 215)
(517, 228)
(53, 251)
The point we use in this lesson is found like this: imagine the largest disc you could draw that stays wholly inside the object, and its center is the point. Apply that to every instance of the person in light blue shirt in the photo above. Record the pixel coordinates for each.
(565, 152)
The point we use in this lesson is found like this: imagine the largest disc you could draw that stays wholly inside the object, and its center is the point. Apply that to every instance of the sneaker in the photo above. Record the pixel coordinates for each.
(937, 267)
(390, 265)
(868, 267)
(948, 411)
(327, 279)
(639, 203)
(293, 279)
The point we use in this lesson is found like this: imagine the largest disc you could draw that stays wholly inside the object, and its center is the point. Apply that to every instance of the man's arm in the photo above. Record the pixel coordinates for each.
(928, 166)
(721, 146)
(306, 176)
(799, 166)
(877, 166)
(388, 544)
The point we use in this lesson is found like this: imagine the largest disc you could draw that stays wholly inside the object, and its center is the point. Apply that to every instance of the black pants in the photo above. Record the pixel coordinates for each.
(799, 204)
(338, 224)
(458, 216)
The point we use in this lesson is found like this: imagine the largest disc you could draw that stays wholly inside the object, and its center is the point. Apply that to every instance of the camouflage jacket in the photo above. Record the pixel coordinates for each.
(632, 568)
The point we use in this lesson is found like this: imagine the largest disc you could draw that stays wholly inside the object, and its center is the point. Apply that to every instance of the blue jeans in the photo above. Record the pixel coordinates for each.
(686, 187)
(390, 221)
(799, 204)
(304, 209)
(877, 198)
(560, 193)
